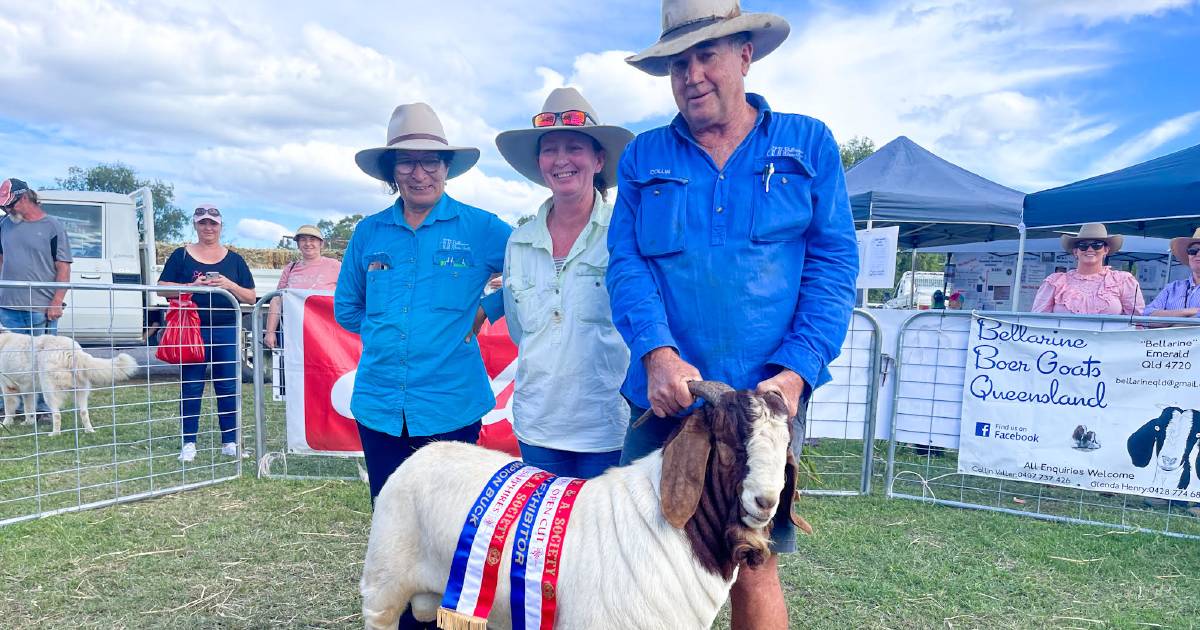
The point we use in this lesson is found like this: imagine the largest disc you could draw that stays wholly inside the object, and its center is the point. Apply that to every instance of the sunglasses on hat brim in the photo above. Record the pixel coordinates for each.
(212, 212)
(569, 118)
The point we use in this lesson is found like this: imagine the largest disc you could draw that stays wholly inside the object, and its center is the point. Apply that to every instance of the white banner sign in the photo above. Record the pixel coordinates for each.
(877, 257)
(1105, 411)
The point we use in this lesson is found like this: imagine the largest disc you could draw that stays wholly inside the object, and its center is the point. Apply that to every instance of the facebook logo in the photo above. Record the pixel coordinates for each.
(983, 429)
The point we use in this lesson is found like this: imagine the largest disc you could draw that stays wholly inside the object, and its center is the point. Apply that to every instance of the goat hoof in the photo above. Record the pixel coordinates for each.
(89, 430)
(53, 433)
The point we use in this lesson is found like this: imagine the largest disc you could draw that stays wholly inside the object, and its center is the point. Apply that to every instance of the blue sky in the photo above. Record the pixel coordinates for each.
(261, 110)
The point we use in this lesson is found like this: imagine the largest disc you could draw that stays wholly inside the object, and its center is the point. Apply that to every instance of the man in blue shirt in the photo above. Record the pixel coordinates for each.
(410, 285)
(733, 256)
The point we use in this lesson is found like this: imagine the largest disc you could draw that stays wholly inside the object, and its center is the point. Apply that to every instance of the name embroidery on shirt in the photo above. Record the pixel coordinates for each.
(660, 171)
(794, 152)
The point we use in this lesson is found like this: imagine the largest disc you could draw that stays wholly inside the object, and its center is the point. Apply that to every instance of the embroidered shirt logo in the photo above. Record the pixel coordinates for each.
(785, 152)
(454, 245)
(660, 171)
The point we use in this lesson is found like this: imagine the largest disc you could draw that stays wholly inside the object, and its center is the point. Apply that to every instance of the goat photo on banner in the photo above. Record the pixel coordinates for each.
(1111, 411)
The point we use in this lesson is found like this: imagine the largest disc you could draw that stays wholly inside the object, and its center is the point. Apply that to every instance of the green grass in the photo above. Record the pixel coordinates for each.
(252, 553)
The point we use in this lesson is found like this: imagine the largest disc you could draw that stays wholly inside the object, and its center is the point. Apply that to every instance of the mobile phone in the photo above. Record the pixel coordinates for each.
(212, 274)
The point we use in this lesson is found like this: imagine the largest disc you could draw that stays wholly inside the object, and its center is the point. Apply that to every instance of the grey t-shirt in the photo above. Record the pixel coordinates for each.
(30, 249)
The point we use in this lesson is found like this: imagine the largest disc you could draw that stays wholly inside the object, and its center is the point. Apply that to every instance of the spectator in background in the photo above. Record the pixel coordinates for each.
(1182, 297)
(313, 271)
(955, 301)
(1091, 288)
(34, 247)
(568, 413)
(207, 263)
(939, 300)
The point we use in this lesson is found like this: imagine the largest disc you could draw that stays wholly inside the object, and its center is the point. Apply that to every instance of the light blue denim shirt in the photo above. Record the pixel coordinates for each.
(412, 296)
(745, 269)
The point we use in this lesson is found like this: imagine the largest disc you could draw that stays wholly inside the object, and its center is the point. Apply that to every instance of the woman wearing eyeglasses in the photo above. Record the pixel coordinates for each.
(207, 263)
(1091, 288)
(568, 413)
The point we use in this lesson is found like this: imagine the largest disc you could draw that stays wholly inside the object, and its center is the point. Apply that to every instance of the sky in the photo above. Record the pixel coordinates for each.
(260, 108)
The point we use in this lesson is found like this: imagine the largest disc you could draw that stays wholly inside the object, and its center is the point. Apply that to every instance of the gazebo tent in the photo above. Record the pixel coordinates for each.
(933, 201)
(1156, 198)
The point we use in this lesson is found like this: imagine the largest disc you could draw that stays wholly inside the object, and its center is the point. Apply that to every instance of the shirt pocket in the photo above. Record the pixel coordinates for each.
(782, 204)
(661, 216)
(453, 275)
(380, 283)
(531, 309)
(589, 295)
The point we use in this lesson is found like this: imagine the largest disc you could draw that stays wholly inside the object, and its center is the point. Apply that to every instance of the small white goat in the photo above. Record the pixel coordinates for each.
(655, 544)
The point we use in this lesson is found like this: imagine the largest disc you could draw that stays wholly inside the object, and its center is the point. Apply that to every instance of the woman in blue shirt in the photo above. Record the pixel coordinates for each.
(207, 263)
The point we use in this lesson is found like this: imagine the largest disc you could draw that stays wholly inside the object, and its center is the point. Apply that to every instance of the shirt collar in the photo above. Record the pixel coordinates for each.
(446, 208)
(539, 234)
(680, 125)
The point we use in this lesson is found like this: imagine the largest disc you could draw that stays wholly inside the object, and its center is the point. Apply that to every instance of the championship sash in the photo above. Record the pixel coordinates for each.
(543, 503)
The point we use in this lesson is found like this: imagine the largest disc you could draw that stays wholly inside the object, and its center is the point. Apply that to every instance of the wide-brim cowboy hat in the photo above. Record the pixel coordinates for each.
(307, 230)
(1093, 232)
(686, 23)
(519, 147)
(1179, 246)
(415, 127)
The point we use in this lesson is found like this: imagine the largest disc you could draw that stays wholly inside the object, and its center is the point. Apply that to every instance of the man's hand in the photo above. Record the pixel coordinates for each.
(667, 377)
(787, 384)
(269, 339)
(54, 311)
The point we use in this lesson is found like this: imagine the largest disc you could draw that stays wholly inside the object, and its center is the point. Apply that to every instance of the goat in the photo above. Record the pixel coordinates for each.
(1170, 437)
(654, 544)
(54, 365)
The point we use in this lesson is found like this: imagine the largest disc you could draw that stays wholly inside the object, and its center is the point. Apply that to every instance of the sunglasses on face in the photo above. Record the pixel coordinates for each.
(1192, 251)
(212, 212)
(1092, 245)
(569, 118)
(429, 165)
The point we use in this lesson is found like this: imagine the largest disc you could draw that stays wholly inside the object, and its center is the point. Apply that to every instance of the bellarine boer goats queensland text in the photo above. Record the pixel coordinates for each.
(655, 544)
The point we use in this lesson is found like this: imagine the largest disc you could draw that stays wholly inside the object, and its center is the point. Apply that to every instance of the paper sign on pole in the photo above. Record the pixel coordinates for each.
(877, 257)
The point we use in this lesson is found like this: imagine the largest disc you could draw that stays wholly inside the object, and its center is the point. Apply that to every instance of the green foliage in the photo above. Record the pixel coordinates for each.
(855, 150)
(337, 233)
(169, 220)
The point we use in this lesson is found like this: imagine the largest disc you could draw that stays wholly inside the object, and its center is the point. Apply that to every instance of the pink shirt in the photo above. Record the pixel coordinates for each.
(1106, 293)
(320, 274)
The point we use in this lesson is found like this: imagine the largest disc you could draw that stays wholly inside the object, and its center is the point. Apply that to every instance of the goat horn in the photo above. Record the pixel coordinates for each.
(709, 390)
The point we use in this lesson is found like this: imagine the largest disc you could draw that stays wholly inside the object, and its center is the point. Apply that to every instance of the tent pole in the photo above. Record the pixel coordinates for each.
(913, 277)
(1016, 295)
(862, 293)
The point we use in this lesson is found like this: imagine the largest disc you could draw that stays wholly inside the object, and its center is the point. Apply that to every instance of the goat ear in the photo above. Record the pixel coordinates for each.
(787, 498)
(685, 462)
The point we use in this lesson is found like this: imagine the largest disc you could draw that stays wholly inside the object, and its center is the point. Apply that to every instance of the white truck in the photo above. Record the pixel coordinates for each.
(927, 283)
(110, 247)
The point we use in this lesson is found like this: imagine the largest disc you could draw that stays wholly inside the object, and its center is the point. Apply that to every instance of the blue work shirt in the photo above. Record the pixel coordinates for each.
(744, 270)
(412, 296)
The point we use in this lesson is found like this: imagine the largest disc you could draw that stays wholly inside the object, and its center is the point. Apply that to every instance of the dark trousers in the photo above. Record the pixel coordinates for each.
(220, 352)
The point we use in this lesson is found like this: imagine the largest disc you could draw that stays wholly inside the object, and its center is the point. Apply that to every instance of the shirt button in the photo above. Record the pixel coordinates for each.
(657, 192)
(720, 210)
(404, 309)
(784, 180)
(721, 176)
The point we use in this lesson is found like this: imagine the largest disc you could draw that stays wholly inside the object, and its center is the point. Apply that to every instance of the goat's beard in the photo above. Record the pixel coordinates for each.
(748, 546)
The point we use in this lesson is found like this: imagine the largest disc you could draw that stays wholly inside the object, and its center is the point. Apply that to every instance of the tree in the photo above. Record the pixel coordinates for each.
(169, 220)
(855, 150)
(337, 233)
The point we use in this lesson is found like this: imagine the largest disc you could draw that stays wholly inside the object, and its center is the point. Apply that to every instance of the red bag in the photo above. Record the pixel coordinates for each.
(181, 341)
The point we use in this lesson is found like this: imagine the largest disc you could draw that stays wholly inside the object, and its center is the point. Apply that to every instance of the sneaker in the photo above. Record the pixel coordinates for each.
(229, 449)
(188, 452)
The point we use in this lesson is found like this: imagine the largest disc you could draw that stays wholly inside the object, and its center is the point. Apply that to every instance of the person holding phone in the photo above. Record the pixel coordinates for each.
(207, 263)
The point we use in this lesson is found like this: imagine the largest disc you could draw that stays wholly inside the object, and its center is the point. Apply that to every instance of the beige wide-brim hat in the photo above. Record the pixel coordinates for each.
(686, 23)
(519, 147)
(1179, 246)
(415, 127)
(1093, 232)
(307, 230)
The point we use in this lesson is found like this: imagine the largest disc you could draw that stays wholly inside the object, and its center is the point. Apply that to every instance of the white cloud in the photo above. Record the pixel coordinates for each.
(620, 93)
(1141, 147)
(260, 230)
(509, 199)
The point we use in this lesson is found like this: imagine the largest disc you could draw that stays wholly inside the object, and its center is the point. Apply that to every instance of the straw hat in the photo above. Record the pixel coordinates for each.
(307, 230)
(415, 127)
(686, 23)
(1093, 232)
(1179, 246)
(520, 146)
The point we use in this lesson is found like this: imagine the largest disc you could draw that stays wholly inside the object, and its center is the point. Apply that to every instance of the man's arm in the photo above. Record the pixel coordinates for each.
(827, 284)
(62, 273)
(637, 307)
(349, 297)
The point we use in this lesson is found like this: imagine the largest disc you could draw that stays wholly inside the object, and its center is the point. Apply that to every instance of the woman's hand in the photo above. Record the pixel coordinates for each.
(269, 339)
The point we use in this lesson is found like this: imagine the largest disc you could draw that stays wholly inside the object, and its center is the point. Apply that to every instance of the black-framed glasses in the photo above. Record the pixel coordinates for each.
(429, 165)
(1192, 251)
(1092, 245)
(569, 118)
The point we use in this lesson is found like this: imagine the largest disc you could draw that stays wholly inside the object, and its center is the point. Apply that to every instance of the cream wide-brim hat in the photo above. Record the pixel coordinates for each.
(1093, 232)
(1179, 246)
(307, 230)
(686, 23)
(519, 147)
(415, 127)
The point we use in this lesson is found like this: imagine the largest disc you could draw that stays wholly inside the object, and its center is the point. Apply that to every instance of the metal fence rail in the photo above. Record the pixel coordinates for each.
(841, 415)
(922, 461)
(131, 450)
(270, 421)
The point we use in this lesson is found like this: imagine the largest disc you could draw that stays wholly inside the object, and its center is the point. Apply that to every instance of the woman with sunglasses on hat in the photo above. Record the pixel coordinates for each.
(313, 272)
(568, 413)
(207, 263)
(1091, 288)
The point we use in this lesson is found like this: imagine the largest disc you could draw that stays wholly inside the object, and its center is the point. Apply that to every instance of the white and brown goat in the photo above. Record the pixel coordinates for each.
(656, 544)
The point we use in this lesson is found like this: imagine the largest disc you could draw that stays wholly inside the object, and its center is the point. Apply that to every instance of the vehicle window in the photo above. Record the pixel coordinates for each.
(84, 224)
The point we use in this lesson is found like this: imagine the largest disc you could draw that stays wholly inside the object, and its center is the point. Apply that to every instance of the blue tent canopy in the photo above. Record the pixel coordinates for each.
(1156, 198)
(933, 201)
